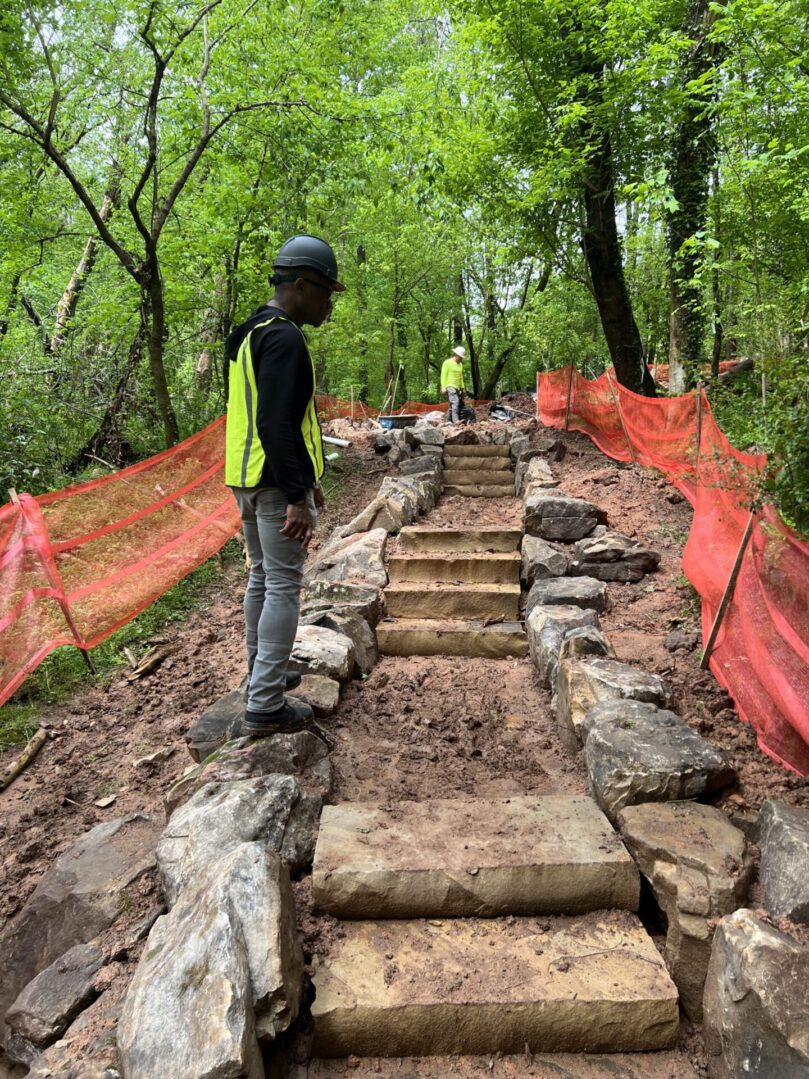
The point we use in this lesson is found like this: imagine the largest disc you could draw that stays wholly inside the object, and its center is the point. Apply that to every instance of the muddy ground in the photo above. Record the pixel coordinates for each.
(417, 728)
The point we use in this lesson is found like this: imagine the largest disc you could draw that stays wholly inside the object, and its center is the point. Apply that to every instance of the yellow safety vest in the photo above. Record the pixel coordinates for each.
(244, 453)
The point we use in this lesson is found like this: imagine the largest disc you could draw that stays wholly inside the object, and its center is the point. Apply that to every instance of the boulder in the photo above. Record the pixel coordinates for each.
(534, 474)
(586, 641)
(582, 683)
(422, 466)
(214, 726)
(613, 556)
(381, 512)
(424, 434)
(699, 868)
(559, 517)
(568, 591)
(220, 816)
(756, 1002)
(635, 752)
(341, 594)
(399, 453)
(540, 560)
(519, 444)
(221, 968)
(80, 895)
(359, 558)
(462, 436)
(51, 1001)
(320, 693)
(318, 650)
(546, 628)
(785, 860)
(87, 1049)
(301, 754)
(421, 491)
(366, 652)
(436, 452)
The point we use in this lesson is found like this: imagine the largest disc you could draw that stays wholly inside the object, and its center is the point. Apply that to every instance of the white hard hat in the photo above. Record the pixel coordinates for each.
(459, 350)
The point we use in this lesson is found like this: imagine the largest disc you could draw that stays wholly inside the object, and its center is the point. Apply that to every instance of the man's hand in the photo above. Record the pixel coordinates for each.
(298, 523)
(320, 499)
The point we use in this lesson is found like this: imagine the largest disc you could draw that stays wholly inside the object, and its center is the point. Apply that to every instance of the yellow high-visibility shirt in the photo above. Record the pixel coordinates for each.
(451, 375)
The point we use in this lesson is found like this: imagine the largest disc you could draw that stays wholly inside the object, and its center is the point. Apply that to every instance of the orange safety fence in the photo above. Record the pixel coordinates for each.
(761, 654)
(77, 564)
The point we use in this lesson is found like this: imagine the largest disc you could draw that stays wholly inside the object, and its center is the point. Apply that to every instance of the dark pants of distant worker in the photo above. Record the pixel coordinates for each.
(456, 403)
(273, 592)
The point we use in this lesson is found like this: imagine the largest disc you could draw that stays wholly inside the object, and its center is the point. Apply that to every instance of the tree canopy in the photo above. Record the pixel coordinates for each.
(546, 181)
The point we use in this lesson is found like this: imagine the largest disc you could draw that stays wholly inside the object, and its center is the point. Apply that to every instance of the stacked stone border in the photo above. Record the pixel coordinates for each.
(220, 983)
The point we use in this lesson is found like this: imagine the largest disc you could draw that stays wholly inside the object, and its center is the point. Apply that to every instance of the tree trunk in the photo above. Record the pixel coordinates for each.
(70, 297)
(12, 299)
(694, 154)
(602, 248)
(495, 373)
(157, 325)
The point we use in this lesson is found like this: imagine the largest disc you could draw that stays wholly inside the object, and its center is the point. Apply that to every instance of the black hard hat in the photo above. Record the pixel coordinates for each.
(310, 251)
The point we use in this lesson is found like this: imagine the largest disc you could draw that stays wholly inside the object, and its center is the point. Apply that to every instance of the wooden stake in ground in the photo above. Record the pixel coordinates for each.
(569, 394)
(617, 404)
(9, 774)
(728, 594)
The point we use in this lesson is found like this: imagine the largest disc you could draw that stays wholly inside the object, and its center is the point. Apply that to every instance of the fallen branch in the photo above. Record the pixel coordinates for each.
(21, 763)
(151, 660)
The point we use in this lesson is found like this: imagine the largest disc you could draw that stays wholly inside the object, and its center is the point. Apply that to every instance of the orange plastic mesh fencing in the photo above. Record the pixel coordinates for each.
(761, 655)
(77, 564)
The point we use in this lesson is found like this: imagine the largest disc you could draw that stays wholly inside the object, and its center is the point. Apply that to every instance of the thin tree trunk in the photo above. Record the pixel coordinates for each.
(12, 299)
(154, 291)
(496, 372)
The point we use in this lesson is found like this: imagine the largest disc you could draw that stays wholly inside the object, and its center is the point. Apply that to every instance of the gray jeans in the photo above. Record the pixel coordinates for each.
(456, 400)
(272, 593)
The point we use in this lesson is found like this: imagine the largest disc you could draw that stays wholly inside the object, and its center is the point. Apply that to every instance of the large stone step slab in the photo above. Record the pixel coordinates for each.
(592, 984)
(454, 477)
(472, 568)
(425, 637)
(481, 464)
(556, 854)
(470, 490)
(422, 538)
(476, 451)
(667, 1065)
(407, 600)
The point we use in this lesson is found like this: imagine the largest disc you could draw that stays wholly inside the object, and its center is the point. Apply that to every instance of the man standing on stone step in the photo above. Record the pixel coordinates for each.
(273, 464)
(452, 382)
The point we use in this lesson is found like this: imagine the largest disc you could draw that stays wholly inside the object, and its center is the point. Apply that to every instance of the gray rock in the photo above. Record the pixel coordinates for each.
(462, 436)
(559, 517)
(582, 683)
(547, 628)
(320, 693)
(637, 753)
(534, 475)
(79, 896)
(221, 968)
(318, 650)
(540, 560)
(50, 1002)
(381, 512)
(424, 434)
(569, 591)
(432, 451)
(785, 860)
(301, 754)
(421, 491)
(353, 626)
(399, 453)
(586, 641)
(341, 594)
(677, 641)
(519, 444)
(422, 466)
(612, 556)
(221, 816)
(87, 1049)
(756, 1003)
(359, 559)
(699, 868)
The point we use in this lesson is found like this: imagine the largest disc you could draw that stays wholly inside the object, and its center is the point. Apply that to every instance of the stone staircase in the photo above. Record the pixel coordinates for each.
(487, 926)
(478, 471)
(454, 592)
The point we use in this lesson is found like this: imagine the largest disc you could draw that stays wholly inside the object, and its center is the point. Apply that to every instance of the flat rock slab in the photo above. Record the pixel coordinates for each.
(425, 637)
(480, 464)
(214, 726)
(637, 753)
(451, 452)
(319, 592)
(472, 568)
(480, 491)
(454, 859)
(559, 517)
(583, 683)
(672, 1065)
(454, 476)
(453, 601)
(613, 556)
(785, 860)
(593, 984)
(571, 591)
(423, 539)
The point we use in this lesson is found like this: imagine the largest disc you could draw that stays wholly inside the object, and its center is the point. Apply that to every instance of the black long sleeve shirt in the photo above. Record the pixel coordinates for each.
(285, 383)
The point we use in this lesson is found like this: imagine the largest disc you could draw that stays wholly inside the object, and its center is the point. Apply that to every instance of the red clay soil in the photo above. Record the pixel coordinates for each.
(417, 728)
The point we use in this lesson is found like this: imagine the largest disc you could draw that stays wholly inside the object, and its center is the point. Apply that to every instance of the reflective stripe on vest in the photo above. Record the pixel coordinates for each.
(244, 453)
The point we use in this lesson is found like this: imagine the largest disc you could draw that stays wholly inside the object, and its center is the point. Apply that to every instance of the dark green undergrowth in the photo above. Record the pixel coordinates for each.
(65, 671)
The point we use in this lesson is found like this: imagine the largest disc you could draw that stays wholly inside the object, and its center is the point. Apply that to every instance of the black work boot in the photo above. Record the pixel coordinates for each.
(292, 716)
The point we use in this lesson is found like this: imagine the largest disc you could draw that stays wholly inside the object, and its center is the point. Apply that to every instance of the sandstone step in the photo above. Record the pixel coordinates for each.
(476, 451)
(426, 539)
(456, 476)
(425, 637)
(471, 568)
(453, 601)
(665, 1065)
(420, 988)
(481, 858)
(482, 464)
(479, 491)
